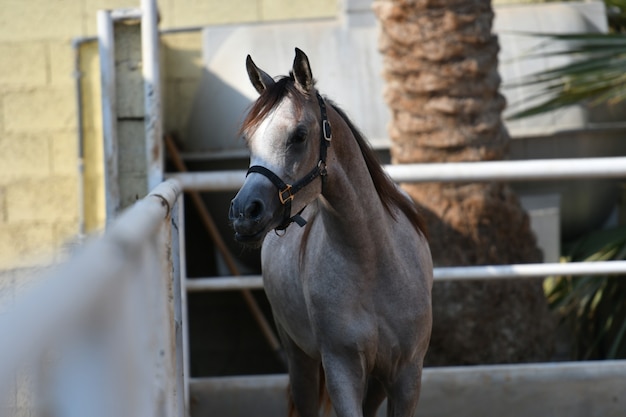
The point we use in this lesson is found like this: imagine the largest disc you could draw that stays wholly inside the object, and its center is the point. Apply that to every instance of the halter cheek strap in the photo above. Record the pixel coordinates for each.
(287, 192)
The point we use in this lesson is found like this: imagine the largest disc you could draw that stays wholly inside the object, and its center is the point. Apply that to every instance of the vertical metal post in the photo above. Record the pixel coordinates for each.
(106, 46)
(152, 91)
(129, 54)
(176, 308)
(167, 294)
(183, 348)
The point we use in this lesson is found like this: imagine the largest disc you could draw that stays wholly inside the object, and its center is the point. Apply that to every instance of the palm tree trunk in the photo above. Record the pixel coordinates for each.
(440, 66)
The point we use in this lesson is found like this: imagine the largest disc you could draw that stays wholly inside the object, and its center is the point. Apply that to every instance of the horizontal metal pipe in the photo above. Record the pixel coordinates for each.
(526, 170)
(456, 273)
(529, 270)
(230, 283)
(210, 181)
(523, 170)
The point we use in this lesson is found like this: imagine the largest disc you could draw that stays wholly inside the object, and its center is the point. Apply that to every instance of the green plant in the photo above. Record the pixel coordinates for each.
(595, 74)
(598, 75)
(595, 306)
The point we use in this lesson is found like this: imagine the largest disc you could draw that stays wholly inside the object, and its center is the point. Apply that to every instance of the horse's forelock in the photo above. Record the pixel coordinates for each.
(268, 100)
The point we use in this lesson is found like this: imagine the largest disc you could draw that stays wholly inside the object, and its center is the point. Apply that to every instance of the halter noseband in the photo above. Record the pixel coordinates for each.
(287, 192)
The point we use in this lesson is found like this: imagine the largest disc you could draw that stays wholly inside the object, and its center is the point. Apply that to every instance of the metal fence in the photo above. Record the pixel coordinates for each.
(573, 389)
(526, 170)
(104, 333)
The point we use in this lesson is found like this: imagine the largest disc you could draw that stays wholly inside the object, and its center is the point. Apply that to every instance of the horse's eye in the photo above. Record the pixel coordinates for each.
(298, 136)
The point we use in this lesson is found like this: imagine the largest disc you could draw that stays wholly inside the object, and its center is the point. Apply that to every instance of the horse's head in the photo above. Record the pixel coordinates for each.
(287, 132)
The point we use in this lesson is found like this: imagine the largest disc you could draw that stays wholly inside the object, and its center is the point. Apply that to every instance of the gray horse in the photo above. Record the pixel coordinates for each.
(350, 288)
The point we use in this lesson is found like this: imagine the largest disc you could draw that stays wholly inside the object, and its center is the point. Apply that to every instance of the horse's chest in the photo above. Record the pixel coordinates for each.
(314, 308)
(289, 308)
(328, 297)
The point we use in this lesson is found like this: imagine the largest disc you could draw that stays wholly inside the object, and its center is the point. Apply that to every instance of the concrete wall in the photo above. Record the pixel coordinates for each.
(39, 198)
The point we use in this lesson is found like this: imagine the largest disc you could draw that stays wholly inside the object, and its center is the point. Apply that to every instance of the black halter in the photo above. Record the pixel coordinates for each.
(287, 192)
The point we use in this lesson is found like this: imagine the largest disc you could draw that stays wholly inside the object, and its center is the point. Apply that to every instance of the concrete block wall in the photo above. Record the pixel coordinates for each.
(39, 187)
(38, 146)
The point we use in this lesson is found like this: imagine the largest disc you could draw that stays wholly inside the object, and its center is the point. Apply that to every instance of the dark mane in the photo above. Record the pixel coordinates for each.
(390, 195)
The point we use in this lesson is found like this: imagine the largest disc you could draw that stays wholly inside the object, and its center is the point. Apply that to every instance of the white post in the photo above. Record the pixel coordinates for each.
(152, 92)
(106, 46)
(182, 335)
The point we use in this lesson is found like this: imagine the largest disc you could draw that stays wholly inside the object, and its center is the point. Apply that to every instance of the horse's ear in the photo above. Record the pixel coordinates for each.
(302, 72)
(259, 78)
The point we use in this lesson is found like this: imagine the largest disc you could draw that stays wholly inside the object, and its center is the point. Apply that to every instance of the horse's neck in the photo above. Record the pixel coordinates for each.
(350, 205)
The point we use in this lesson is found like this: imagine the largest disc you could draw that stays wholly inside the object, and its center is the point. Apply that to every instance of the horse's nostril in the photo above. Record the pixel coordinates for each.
(231, 210)
(254, 209)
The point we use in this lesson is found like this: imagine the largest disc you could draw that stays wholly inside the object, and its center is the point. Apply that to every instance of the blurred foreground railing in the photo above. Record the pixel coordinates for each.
(101, 335)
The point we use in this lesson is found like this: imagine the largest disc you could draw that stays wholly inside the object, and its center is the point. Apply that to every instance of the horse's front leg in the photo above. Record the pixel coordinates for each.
(346, 380)
(303, 378)
(404, 391)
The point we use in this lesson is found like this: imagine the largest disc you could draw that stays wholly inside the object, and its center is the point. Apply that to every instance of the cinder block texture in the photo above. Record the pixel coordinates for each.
(51, 199)
(3, 211)
(39, 110)
(61, 57)
(25, 244)
(23, 63)
(129, 81)
(133, 158)
(23, 156)
(181, 13)
(64, 153)
(297, 9)
(40, 19)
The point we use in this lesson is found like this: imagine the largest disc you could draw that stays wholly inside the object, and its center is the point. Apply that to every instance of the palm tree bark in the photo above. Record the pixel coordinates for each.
(440, 67)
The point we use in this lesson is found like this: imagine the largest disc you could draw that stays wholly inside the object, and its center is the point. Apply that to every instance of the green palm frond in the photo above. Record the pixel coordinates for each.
(595, 74)
(596, 305)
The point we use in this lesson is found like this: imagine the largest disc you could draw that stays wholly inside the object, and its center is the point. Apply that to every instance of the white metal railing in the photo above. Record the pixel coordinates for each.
(525, 170)
(516, 388)
(101, 334)
(551, 385)
(467, 273)
(529, 170)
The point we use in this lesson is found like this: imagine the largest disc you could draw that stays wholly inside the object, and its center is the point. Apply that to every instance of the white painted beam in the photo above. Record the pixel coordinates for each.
(526, 170)
(457, 273)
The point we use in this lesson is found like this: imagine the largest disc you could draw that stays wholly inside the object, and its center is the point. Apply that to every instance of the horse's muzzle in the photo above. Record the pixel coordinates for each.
(249, 219)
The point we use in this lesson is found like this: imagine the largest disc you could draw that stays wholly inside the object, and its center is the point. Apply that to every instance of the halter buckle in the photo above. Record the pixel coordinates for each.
(328, 134)
(285, 195)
